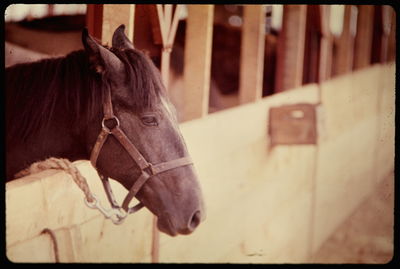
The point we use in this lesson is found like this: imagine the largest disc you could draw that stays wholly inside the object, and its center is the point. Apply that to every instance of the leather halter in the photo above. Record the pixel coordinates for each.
(147, 169)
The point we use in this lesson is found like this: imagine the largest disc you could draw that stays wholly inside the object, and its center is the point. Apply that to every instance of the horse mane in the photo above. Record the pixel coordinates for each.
(35, 92)
(143, 77)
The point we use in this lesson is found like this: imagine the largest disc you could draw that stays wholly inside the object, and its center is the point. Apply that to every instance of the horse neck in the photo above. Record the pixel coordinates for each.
(57, 141)
(60, 139)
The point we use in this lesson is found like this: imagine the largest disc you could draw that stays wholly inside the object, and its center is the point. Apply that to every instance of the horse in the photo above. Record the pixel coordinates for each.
(109, 105)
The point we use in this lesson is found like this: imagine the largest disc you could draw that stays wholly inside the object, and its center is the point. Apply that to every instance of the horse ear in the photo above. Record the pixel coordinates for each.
(100, 58)
(120, 40)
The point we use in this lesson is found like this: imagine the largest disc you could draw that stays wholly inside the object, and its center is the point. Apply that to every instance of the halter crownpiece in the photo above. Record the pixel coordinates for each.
(147, 169)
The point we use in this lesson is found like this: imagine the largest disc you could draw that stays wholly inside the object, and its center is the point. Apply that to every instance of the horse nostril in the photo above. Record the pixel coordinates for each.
(195, 220)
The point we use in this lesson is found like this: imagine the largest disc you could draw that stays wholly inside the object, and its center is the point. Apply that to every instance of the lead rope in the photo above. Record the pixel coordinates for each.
(60, 164)
(117, 215)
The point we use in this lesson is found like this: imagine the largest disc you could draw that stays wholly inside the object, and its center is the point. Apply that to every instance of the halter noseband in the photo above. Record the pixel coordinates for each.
(147, 169)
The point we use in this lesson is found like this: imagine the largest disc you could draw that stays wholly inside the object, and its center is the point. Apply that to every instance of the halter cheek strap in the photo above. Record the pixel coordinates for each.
(147, 169)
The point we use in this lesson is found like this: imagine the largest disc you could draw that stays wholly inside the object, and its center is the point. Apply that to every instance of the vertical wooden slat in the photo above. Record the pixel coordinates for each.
(115, 15)
(312, 44)
(387, 24)
(155, 244)
(252, 54)
(165, 30)
(197, 60)
(147, 32)
(343, 61)
(363, 41)
(94, 20)
(392, 39)
(290, 51)
(163, 26)
(168, 14)
(174, 24)
(325, 57)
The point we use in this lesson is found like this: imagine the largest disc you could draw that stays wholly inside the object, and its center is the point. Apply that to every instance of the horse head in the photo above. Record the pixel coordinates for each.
(143, 113)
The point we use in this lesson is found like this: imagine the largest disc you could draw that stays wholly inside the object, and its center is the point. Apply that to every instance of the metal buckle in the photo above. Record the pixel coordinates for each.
(103, 125)
(116, 215)
(150, 170)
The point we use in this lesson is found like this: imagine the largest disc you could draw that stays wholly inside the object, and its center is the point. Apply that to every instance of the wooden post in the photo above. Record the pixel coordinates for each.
(343, 61)
(387, 24)
(146, 37)
(115, 15)
(94, 20)
(325, 56)
(392, 38)
(197, 60)
(363, 41)
(252, 54)
(290, 51)
(102, 20)
(313, 42)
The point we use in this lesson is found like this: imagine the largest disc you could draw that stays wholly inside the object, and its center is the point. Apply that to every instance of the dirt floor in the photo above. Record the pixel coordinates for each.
(367, 235)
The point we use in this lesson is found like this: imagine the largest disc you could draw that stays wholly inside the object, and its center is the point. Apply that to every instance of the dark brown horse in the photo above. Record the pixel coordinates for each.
(55, 108)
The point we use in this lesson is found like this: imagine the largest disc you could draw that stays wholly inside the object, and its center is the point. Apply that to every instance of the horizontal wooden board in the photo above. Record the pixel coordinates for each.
(348, 159)
(59, 206)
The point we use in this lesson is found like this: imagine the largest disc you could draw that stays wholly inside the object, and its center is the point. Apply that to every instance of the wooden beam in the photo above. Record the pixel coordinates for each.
(113, 16)
(363, 40)
(343, 60)
(252, 54)
(290, 51)
(197, 60)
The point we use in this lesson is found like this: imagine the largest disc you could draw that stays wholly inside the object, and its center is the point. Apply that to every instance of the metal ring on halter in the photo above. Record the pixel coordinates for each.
(103, 125)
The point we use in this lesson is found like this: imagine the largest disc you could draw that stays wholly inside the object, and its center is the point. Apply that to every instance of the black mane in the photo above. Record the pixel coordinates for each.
(35, 92)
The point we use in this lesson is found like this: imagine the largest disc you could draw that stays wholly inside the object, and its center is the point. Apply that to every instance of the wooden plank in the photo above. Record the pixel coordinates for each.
(94, 19)
(147, 36)
(351, 141)
(82, 233)
(35, 250)
(387, 25)
(343, 60)
(290, 52)
(312, 45)
(113, 16)
(386, 121)
(197, 60)
(325, 56)
(392, 39)
(378, 37)
(363, 39)
(252, 54)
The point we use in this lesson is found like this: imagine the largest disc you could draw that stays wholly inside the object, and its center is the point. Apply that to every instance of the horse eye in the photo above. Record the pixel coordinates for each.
(149, 120)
